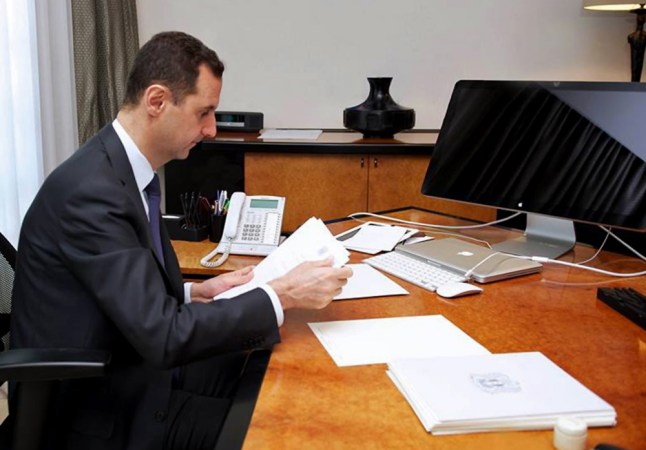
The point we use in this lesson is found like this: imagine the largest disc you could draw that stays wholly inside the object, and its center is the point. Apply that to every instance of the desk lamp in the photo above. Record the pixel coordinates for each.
(637, 38)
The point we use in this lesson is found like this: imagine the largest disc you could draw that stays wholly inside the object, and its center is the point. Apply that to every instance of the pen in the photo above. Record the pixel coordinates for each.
(221, 200)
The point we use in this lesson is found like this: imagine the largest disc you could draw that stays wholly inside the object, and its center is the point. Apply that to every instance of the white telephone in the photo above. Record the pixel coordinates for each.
(252, 227)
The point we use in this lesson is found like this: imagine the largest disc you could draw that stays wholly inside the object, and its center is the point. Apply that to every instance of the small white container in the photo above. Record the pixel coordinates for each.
(570, 433)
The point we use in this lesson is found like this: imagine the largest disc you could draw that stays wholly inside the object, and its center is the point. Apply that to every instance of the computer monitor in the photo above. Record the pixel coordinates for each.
(559, 151)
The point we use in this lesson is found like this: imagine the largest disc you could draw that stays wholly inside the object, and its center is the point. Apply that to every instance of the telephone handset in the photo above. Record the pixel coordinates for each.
(252, 227)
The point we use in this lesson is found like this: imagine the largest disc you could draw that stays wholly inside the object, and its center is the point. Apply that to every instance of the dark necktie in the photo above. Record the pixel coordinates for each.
(153, 191)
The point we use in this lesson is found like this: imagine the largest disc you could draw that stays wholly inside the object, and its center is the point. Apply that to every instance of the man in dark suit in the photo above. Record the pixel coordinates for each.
(89, 274)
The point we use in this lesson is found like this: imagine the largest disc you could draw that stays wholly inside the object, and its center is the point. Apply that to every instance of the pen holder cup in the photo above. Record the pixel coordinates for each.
(216, 228)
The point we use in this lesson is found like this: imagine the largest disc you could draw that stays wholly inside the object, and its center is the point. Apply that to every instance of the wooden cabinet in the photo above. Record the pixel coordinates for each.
(319, 185)
(331, 186)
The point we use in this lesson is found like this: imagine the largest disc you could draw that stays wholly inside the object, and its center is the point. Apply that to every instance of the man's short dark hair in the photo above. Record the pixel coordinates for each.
(172, 59)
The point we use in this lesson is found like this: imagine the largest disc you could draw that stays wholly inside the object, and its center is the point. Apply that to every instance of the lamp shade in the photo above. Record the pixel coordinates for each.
(611, 5)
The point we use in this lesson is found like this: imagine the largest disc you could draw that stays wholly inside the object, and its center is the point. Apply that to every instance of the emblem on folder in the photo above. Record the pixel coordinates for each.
(495, 383)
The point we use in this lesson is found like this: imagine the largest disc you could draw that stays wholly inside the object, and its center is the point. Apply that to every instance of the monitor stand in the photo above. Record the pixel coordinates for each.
(544, 236)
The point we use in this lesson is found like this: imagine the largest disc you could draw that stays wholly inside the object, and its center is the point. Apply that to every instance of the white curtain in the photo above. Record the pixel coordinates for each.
(37, 112)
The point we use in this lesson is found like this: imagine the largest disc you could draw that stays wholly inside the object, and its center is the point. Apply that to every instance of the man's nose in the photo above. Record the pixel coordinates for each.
(210, 129)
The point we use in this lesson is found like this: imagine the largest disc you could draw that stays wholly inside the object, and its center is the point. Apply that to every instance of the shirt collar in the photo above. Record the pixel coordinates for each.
(141, 168)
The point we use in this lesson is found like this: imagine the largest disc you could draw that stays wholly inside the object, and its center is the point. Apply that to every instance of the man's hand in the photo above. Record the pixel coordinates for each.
(310, 285)
(206, 290)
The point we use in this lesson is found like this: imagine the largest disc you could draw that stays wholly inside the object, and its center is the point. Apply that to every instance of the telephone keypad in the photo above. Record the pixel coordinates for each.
(251, 231)
(261, 228)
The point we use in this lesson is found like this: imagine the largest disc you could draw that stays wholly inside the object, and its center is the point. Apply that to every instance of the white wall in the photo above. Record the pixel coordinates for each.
(301, 62)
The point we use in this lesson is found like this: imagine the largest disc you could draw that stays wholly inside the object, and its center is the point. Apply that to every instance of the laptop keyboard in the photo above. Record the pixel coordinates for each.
(414, 271)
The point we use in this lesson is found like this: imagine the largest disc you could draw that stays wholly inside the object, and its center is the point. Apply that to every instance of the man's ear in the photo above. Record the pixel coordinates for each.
(156, 98)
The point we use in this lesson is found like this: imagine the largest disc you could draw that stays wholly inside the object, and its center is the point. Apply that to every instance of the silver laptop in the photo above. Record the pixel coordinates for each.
(461, 256)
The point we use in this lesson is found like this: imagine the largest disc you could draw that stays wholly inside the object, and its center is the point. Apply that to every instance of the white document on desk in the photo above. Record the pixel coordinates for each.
(312, 241)
(374, 237)
(510, 391)
(308, 135)
(366, 281)
(379, 238)
(378, 341)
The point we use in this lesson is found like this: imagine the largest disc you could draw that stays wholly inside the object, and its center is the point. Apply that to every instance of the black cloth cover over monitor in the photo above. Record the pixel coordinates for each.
(574, 150)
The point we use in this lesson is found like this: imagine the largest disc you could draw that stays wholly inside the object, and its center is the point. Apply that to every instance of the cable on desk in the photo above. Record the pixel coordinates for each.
(608, 230)
(540, 259)
(594, 269)
(427, 225)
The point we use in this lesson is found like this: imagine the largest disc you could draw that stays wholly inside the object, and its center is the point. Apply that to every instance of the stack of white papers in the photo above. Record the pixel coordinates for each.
(374, 341)
(513, 391)
(312, 241)
(374, 237)
(307, 135)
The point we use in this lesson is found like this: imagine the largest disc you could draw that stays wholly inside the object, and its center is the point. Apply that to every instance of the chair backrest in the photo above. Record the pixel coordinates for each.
(7, 270)
(34, 372)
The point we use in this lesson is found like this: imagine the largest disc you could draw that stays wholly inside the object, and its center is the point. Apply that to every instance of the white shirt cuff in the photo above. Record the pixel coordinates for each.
(275, 301)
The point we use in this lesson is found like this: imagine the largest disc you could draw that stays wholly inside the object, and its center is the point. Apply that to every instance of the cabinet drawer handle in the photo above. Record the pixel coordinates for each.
(363, 163)
(375, 163)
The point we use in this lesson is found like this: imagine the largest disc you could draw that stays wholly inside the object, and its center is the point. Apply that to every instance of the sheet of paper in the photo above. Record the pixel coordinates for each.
(383, 238)
(366, 281)
(373, 237)
(489, 392)
(368, 251)
(377, 341)
(312, 241)
(310, 135)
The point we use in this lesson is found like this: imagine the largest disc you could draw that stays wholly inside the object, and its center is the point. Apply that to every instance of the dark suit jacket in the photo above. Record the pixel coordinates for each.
(87, 277)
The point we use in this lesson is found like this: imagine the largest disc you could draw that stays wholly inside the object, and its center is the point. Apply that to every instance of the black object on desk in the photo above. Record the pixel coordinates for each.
(245, 121)
(178, 231)
(604, 446)
(194, 224)
(217, 227)
(627, 302)
(379, 115)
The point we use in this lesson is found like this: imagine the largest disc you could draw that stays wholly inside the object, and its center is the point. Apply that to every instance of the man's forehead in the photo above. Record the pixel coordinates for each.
(207, 90)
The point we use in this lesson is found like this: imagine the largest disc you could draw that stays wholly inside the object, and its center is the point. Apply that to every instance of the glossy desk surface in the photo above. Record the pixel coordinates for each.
(189, 255)
(306, 401)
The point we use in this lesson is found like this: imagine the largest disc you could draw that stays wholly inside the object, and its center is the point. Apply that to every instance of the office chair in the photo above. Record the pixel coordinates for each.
(35, 372)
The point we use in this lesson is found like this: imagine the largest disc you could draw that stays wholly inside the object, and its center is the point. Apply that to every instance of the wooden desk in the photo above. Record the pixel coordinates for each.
(189, 255)
(306, 401)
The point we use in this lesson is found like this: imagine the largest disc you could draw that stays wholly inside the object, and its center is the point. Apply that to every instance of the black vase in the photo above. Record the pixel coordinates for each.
(379, 115)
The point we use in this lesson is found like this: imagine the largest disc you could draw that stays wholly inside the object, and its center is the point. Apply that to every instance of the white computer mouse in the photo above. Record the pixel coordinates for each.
(452, 290)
